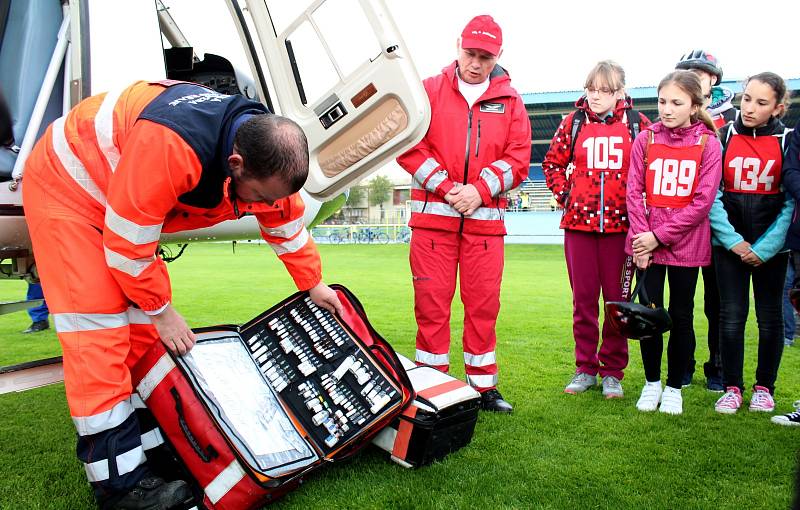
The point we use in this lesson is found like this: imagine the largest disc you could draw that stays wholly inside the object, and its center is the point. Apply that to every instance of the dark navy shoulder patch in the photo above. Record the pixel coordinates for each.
(493, 107)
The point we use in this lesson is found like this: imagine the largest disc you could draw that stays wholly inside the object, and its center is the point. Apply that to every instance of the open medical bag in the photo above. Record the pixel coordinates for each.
(440, 420)
(251, 409)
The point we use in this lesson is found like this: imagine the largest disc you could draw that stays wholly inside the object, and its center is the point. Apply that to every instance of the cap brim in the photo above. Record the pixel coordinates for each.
(468, 43)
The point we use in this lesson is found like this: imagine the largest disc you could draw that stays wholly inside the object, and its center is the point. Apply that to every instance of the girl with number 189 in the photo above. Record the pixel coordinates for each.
(672, 181)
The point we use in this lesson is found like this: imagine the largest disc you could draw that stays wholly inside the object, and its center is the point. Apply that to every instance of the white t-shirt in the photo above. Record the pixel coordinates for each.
(472, 92)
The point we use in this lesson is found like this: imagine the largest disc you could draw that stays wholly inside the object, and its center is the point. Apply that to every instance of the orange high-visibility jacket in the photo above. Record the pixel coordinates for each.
(152, 158)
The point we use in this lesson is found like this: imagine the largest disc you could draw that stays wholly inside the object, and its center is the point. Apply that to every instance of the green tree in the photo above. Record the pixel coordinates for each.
(380, 189)
(355, 196)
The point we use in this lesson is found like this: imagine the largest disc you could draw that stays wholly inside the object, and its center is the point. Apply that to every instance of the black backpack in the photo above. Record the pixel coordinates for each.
(579, 119)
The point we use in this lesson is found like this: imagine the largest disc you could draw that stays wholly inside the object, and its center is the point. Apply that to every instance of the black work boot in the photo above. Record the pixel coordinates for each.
(38, 326)
(153, 493)
(492, 400)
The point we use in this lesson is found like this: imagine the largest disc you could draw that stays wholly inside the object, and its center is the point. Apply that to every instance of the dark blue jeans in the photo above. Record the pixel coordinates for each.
(37, 313)
(733, 278)
(788, 311)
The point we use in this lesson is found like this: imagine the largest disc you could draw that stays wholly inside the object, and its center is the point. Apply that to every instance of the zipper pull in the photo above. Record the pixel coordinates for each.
(478, 142)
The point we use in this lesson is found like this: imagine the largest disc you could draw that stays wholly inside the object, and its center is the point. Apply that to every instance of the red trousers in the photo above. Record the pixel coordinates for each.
(436, 258)
(594, 262)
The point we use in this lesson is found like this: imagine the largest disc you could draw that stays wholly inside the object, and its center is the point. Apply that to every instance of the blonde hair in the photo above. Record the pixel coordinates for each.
(608, 72)
(689, 82)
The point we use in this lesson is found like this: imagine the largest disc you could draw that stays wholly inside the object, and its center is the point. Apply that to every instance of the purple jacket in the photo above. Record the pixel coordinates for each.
(684, 234)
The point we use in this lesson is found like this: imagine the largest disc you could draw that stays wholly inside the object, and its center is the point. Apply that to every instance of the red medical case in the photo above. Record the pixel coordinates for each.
(440, 420)
(251, 409)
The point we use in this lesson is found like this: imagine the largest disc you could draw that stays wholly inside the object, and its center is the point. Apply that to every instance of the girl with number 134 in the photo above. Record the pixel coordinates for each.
(672, 182)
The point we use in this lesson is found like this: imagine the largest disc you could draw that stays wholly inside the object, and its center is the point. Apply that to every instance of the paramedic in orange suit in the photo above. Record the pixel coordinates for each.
(99, 188)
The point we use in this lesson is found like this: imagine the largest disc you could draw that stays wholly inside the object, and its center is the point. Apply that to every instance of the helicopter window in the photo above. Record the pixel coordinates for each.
(328, 45)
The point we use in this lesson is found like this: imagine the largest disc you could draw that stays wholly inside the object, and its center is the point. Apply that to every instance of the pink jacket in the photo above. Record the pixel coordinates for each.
(684, 234)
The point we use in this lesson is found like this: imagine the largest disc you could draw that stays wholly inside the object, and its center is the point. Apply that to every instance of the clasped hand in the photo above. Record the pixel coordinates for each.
(464, 198)
(745, 252)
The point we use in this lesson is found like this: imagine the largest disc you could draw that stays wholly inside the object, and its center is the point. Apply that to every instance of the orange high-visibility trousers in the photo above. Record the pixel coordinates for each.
(101, 335)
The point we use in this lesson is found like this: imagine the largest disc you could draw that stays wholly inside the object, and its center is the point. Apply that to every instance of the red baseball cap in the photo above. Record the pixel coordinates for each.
(482, 33)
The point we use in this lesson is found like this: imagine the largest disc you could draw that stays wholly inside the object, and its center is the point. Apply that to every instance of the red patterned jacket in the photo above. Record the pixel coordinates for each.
(593, 192)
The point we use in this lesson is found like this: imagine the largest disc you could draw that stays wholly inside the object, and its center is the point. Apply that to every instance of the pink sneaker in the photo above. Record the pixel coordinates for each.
(762, 400)
(730, 402)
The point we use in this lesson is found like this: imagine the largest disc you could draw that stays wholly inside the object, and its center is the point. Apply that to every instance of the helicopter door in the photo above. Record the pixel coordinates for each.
(347, 79)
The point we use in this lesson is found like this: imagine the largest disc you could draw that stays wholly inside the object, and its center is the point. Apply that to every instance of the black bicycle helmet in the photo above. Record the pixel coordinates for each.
(699, 59)
(638, 320)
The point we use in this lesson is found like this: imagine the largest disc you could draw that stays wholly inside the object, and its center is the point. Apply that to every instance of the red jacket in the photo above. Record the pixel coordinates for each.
(488, 146)
(593, 201)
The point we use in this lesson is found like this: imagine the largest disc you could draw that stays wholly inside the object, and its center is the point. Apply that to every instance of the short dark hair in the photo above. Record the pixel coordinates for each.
(273, 145)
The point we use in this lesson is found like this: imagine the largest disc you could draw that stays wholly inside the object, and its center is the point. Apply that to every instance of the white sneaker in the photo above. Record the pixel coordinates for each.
(651, 396)
(671, 401)
(580, 382)
(612, 388)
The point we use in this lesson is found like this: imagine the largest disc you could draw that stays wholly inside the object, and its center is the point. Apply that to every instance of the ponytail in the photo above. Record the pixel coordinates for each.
(705, 117)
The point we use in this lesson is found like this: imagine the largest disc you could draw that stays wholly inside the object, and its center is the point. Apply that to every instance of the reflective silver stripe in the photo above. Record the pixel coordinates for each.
(137, 316)
(292, 245)
(88, 425)
(137, 402)
(287, 230)
(492, 181)
(480, 360)
(425, 169)
(72, 322)
(132, 267)
(436, 180)
(482, 381)
(126, 462)
(224, 482)
(72, 164)
(104, 128)
(154, 376)
(438, 208)
(130, 231)
(487, 214)
(432, 359)
(508, 174)
(442, 209)
(152, 439)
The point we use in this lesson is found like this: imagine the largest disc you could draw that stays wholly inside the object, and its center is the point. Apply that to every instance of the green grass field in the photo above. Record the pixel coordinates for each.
(555, 451)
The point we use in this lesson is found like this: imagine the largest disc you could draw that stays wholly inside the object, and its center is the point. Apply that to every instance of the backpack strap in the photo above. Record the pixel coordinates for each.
(633, 122)
(578, 120)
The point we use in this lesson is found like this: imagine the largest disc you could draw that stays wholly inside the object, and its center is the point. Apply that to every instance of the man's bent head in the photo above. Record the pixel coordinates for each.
(270, 158)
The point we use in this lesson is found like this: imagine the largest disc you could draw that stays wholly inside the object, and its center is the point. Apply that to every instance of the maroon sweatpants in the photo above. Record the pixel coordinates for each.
(594, 262)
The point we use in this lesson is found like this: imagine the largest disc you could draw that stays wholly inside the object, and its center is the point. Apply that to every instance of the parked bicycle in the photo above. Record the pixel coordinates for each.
(372, 235)
(340, 236)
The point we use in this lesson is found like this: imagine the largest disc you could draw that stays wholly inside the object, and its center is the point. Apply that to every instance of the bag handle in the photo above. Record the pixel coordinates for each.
(205, 455)
(639, 289)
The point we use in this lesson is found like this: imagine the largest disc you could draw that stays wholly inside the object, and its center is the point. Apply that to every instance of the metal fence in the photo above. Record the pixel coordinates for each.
(361, 234)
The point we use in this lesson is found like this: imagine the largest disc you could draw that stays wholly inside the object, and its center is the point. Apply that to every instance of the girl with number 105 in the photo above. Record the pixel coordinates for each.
(674, 174)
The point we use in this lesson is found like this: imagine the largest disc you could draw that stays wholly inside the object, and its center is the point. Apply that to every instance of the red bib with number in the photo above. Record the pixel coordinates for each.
(603, 147)
(672, 173)
(753, 165)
